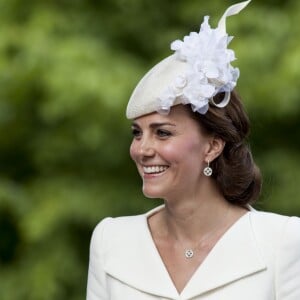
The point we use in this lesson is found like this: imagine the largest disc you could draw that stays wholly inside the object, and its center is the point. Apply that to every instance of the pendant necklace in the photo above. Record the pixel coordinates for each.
(189, 252)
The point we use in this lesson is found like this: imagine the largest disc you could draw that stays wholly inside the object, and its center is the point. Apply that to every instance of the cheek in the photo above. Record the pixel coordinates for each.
(192, 146)
(189, 152)
(170, 153)
(133, 150)
(178, 151)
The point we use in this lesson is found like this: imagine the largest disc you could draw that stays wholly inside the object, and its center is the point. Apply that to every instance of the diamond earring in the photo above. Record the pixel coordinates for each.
(207, 170)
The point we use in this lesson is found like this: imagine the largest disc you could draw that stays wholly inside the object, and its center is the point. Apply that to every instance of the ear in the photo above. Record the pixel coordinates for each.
(216, 146)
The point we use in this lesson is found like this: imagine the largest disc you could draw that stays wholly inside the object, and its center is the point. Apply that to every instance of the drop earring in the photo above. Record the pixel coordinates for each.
(207, 170)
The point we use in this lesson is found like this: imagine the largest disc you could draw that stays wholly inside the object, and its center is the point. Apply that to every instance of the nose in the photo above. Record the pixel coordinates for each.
(146, 147)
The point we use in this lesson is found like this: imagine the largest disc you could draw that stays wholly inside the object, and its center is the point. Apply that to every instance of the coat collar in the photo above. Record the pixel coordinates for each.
(131, 257)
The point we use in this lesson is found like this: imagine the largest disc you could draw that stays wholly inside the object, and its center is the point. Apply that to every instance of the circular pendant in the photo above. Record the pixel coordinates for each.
(207, 171)
(189, 253)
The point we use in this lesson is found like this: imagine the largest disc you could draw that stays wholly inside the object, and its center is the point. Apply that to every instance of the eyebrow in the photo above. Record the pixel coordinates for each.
(155, 125)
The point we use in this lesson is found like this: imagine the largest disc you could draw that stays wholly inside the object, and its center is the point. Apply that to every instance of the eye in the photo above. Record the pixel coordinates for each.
(136, 132)
(162, 133)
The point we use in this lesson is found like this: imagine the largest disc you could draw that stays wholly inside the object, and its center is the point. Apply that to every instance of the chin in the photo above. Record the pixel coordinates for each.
(153, 193)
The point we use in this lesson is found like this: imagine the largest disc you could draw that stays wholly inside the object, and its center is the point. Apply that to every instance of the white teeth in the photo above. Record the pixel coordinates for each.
(154, 169)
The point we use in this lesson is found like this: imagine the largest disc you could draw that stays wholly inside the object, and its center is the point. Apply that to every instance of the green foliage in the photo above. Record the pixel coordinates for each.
(67, 69)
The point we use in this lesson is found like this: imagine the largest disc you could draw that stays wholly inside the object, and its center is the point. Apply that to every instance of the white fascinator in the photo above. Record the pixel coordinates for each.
(199, 69)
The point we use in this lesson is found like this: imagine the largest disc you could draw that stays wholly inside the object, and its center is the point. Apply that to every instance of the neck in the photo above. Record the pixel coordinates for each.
(192, 218)
(190, 221)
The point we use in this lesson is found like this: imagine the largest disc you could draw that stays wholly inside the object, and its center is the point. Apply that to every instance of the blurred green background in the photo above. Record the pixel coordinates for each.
(67, 68)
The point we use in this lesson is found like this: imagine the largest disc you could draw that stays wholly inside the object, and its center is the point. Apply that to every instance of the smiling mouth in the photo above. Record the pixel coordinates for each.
(154, 169)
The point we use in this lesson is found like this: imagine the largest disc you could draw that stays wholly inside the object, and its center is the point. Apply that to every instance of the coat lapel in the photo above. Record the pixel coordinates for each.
(235, 256)
(132, 258)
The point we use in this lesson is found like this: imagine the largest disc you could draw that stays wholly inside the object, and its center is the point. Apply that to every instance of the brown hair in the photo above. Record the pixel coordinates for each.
(235, 172)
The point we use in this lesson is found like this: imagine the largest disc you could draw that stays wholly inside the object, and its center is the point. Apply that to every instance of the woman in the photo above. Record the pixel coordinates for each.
(206, 242)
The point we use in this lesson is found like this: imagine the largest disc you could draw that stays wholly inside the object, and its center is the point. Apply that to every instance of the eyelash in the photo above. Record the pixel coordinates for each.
(135, 132)
(163, 133)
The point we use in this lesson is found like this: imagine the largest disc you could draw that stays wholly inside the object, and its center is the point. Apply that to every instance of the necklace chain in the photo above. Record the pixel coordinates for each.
(189, 252)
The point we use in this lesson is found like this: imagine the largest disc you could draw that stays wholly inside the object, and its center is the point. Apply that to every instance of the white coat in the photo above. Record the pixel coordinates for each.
(258, 258)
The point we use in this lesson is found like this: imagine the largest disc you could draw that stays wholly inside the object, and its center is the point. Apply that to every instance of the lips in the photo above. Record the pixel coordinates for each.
(156, 169)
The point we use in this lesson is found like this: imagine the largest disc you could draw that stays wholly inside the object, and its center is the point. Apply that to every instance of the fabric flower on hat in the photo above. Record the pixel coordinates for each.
(209, 70)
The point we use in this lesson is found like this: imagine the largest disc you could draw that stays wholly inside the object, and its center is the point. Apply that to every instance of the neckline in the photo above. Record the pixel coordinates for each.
(162, 263)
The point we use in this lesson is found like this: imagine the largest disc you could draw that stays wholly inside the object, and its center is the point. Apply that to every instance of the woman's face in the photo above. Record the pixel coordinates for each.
(170, 152)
